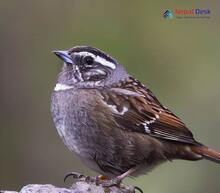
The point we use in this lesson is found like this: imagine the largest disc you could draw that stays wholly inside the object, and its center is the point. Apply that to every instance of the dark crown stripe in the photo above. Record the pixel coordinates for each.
(94, 51)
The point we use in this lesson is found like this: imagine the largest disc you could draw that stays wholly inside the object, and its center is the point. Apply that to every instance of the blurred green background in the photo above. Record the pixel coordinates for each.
(177, 59)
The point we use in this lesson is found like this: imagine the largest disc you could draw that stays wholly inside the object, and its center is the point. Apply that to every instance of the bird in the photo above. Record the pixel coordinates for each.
(113, 122)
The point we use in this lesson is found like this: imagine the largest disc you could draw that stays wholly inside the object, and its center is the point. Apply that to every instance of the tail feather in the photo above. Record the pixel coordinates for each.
(207, 153)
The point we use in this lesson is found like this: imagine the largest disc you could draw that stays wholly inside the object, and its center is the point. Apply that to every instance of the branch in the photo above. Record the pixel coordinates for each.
(77, 187)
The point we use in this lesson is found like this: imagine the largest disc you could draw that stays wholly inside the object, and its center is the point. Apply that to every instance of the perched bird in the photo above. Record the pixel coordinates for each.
(113, 122)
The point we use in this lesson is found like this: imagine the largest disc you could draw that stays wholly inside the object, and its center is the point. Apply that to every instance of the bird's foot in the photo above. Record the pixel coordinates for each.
(100, 180)
(108, 182)
(80, 177)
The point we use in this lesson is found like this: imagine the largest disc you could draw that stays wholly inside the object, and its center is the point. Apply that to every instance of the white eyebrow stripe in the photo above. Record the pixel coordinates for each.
(98, 59)
(104, 62)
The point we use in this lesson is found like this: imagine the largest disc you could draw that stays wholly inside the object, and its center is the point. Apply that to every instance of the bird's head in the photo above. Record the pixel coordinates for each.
(89, 67)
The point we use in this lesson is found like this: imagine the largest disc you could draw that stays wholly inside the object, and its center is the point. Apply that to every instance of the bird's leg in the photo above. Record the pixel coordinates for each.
(117, 180)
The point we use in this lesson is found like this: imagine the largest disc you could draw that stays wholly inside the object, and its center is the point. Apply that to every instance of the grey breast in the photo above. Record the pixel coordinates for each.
(71, 114)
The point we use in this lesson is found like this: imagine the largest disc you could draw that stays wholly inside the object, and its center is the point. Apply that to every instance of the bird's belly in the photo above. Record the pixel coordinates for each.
(70, 140)
(75, 137)
(109, 153)
(71, 121)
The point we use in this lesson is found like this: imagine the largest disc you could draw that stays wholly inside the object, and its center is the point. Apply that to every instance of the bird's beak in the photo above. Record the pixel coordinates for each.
(64, 55)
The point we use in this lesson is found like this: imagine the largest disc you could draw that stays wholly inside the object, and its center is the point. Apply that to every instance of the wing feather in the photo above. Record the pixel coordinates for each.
(138, 110)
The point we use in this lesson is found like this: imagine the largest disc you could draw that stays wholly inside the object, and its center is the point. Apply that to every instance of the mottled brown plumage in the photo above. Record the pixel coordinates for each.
(113, 122)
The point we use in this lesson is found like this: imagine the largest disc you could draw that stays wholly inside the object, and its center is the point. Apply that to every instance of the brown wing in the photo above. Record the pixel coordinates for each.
(136, 109)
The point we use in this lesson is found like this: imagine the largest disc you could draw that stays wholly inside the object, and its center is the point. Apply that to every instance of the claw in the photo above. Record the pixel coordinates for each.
(137, 188)
(75, 175)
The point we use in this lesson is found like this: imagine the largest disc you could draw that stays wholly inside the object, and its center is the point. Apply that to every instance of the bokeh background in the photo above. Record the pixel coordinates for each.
(177, 59)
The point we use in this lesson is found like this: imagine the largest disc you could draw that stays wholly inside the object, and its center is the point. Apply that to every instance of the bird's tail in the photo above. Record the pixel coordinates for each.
(207, 153)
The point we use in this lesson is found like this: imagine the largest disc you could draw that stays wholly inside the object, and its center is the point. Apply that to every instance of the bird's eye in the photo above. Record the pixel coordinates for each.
(88, 60)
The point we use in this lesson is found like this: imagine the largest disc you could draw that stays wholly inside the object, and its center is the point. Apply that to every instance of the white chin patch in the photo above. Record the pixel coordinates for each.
(62, 87)
(99, 59)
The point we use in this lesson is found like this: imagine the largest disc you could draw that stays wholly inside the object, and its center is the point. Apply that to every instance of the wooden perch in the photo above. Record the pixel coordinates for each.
(77, 187)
